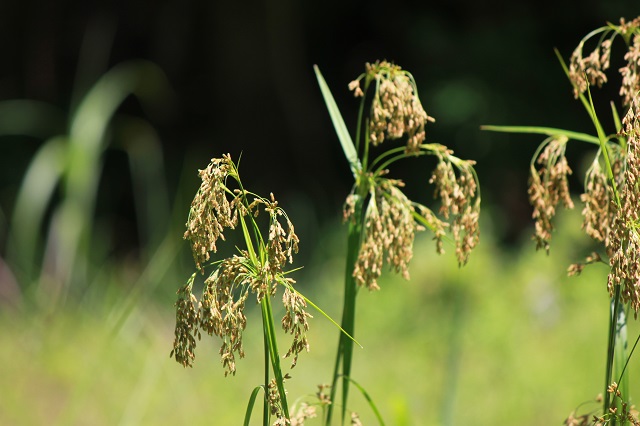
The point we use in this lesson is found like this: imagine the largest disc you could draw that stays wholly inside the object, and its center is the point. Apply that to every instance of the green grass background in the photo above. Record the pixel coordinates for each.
(507, 339)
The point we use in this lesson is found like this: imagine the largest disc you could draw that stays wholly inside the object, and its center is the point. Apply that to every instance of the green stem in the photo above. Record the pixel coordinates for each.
(613, 322)
(345, 343)
(266, 410)
(269, 329)
(360, 114)
(605, 149)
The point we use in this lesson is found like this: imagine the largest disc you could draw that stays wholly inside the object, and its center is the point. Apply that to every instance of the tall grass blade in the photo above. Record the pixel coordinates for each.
(549, 131)
(87, 142)
(36, 191)
(348, 147)
(252, 401)
(366, 395)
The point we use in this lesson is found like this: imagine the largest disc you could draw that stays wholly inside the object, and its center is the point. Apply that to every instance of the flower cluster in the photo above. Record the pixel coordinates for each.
(396, 110)
(631, 72)
(623, 413)
(295, 322)
(548, 186)
(459, 197)
(389, 231)
(220, 310)
(591, 69)
(624, 244)
(211, 211)
(275, 403)
(186, 331)
(599, 205)
(391, 220)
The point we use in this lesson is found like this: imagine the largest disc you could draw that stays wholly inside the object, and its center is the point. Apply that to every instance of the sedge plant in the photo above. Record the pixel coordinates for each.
(611, 198)
(256, 271)
(382, 220)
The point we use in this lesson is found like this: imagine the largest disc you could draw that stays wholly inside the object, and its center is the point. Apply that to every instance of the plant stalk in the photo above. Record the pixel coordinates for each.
(345, 343)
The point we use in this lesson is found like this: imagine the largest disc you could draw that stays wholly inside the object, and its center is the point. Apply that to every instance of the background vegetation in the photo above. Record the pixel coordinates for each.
(506, 339)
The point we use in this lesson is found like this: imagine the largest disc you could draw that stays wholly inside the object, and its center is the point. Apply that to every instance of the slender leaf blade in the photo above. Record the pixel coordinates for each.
(348, 147)
(252, 401)
(549, 131)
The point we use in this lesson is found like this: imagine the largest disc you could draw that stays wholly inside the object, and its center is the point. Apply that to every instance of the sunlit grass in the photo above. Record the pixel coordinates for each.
(509, 339)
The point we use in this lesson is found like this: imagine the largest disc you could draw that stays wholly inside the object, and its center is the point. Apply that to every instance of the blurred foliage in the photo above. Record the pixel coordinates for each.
(62, 182)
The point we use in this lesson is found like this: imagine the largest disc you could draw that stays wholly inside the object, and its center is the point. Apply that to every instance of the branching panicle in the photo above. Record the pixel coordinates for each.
(211, 211)
(389, 231)
(590, 70)
(624, 245)
(458, 194)
(221, 310)
(396, 110)
(295, 323)
(548, 187)
(186, 331)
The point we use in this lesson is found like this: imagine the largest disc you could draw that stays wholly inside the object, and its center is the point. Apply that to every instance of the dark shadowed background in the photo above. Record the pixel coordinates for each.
(242, 81)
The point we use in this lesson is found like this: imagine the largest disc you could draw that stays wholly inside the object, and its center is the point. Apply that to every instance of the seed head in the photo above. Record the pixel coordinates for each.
(211, 211)
(186, 331)
(459, 199)
(599, 205)
(389, 231)
(548, 186)
(258, 271)
(590, 70)
(295, 323)
(624, 244)
(631, 71)
(396, 110)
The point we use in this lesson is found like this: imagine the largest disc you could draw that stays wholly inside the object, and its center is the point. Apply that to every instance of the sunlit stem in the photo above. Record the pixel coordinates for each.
(345, 344)
(269, 331)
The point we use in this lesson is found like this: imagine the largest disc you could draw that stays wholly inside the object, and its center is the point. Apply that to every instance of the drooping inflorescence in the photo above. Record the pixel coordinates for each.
(258, 269)
(390, 219)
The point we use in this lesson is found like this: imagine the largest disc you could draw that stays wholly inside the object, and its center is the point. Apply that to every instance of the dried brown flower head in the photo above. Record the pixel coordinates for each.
(577, 268)
(186, 330)
(458, 194)
(624, 244)
(355, 419)
(631, 72)
(295, 323)
(211, 211)
(599, 205)
(396, 110)
(389, 230)
(258, 270)
(590, 70)
(548, 186)
(576, 420)
(304, 412)
(391, 219)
